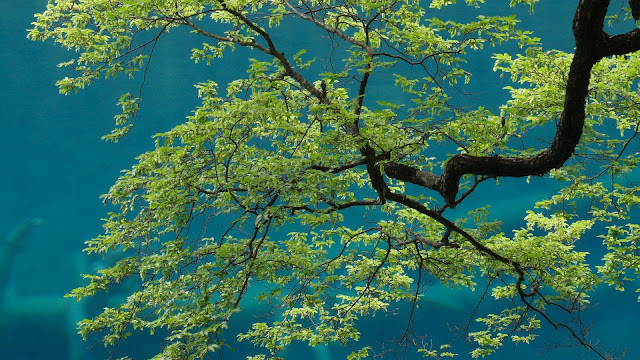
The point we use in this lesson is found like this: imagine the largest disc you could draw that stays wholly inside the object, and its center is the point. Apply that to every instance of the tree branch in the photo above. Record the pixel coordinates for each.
(592, 44)
(331, 30)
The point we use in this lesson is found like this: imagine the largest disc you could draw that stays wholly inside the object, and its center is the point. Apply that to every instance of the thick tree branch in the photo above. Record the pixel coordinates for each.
(592, 44)
(622, 44)
(412, 175)
(590, 39)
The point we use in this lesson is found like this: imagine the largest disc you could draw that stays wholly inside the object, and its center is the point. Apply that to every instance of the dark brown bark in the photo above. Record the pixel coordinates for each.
(592, 44)
(635, 9)
(412, 175)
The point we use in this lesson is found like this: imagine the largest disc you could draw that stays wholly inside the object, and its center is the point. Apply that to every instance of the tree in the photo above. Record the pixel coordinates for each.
(288, 155)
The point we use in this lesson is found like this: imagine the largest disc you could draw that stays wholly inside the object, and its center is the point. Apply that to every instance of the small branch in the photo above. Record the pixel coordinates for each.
(337, 169)
(405, 200)
(444, 242)
(329, 29)
(201, 31)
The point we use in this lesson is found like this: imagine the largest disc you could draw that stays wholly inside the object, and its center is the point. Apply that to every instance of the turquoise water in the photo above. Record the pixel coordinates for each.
(55, 166)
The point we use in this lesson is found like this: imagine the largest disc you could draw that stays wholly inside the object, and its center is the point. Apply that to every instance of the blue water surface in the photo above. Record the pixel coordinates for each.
(54, 167)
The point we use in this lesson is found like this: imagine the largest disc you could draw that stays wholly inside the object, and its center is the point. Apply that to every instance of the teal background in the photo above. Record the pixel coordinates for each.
(54, 167)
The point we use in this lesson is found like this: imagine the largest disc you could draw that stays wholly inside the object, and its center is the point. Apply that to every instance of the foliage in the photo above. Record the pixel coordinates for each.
(294, 178)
